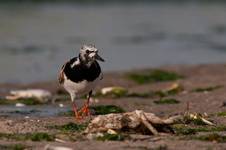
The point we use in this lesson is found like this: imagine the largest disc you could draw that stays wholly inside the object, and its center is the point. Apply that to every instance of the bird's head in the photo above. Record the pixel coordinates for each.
(89, 53)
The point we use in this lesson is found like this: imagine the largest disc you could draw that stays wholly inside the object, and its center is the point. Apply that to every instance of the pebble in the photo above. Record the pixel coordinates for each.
(51, 147)
(61, 105)
(92, 136)
(20, 105)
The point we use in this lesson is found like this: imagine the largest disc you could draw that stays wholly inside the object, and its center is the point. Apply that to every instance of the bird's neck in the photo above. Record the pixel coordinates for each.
(84, 61)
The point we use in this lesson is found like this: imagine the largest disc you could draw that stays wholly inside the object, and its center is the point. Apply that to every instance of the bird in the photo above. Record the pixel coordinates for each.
(80, 75)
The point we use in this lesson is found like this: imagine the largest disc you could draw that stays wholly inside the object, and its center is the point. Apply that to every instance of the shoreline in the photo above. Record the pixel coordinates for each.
(117, 73)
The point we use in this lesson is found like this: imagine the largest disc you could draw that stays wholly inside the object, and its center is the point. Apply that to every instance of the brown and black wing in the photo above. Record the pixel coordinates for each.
(61, 74)
(64, 68)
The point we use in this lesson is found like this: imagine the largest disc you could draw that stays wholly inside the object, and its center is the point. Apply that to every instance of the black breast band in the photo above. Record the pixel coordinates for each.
(82, 72)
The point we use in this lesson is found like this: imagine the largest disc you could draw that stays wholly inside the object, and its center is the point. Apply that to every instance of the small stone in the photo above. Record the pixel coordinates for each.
(51, 147)
(20, 105)
(110, 131)
(61, 105)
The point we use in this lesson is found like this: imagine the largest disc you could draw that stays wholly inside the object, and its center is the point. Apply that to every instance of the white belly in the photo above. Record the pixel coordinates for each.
(80, 88)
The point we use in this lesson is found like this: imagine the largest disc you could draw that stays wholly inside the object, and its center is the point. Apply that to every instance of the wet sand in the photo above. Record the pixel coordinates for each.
(210, 102)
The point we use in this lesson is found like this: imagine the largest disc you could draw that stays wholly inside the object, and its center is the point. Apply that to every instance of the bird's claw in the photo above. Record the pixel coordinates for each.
(78, 117)
(85, 111)
(82, 113)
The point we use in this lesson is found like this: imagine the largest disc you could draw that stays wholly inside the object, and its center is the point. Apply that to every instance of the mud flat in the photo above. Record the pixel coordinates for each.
(165, 91)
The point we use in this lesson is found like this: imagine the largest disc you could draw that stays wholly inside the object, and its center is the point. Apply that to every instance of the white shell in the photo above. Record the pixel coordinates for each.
(37, 93)
(20, 105)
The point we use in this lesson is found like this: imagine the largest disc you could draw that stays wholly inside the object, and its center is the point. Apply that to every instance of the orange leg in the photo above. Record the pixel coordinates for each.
(77, 114)
(85, 109)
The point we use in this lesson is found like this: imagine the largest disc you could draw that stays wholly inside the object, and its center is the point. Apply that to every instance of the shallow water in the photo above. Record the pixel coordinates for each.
(36, 39)
(31, 111)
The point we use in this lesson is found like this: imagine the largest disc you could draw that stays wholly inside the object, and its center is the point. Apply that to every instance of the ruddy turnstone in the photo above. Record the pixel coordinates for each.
(80, 75)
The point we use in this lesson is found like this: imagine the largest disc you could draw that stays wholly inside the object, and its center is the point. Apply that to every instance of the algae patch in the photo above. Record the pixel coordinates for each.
(207, 89)
(182, 129)
(213, 137)
(26, 101)
(98, 110)
(13, 147)
(106, 109)
(70, 127)
(140, 95)
(154, 76)
(39, 136)
(221, 114)
(166, 101)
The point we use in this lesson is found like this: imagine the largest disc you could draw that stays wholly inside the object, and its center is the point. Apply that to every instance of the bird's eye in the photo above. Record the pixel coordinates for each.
(87, 51)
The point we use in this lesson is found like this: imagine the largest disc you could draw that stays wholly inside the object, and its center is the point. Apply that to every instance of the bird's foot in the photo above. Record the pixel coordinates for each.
(85, 111)
(77, 114)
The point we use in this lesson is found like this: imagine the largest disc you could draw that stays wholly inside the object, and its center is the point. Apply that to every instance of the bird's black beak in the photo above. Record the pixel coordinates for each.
(99, 58)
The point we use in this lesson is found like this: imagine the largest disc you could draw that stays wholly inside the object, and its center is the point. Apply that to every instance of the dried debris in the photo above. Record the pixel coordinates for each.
(130, 120)
(114, 91)
(39, 94)
(197, 119)
(139, 121)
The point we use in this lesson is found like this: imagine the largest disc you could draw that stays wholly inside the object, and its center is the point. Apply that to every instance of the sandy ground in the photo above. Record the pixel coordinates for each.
(199, 76)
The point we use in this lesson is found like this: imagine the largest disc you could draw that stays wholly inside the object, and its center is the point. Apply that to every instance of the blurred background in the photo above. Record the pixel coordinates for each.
(38, 36)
